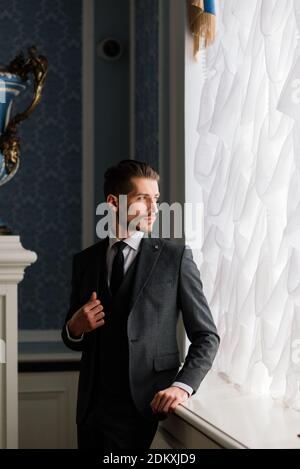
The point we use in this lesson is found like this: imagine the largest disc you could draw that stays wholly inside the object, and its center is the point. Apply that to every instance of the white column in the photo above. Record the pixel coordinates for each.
(13, 261)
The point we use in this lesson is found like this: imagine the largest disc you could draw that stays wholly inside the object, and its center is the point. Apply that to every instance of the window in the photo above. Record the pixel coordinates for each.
(242, 162)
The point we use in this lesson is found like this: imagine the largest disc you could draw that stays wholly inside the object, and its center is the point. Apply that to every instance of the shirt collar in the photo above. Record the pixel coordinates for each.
(133, 241)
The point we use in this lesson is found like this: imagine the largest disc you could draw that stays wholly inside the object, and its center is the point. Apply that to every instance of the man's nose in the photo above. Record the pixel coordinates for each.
(153, 207)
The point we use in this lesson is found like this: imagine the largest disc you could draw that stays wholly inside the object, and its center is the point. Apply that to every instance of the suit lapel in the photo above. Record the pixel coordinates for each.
(148, 257)
(150, 251)
(101, 269)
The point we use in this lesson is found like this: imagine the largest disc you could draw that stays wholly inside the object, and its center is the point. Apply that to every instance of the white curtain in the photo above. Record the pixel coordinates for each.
(247, 164)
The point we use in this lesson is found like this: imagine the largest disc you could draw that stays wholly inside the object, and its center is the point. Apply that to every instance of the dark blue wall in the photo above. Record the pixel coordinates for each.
(43, 202)
(147, 81)
(112, 87)
(112, 91)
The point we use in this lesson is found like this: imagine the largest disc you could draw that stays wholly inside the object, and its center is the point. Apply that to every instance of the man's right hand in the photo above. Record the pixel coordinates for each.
(87, 318)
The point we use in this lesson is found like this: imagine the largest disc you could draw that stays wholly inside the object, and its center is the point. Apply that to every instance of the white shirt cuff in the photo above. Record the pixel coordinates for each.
(72, 338)
(184, 386)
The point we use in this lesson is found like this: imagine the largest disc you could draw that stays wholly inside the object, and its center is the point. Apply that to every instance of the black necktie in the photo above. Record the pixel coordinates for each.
(117, 272)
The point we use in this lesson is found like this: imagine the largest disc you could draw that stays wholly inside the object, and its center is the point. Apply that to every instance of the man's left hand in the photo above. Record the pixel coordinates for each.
(167, 400)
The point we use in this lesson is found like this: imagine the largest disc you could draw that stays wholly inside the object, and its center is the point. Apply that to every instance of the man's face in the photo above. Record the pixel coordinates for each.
(142, 203)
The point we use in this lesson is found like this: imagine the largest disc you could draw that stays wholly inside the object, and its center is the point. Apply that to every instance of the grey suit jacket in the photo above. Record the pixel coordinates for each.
(167, 282)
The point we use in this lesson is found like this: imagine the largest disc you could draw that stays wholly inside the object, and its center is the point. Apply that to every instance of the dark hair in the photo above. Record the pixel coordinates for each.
(117, 179)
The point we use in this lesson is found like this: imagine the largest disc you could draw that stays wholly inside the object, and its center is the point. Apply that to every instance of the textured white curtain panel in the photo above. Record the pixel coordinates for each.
(247, 164)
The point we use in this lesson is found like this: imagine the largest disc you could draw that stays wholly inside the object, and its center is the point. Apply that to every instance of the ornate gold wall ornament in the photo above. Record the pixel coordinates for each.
(20, 67)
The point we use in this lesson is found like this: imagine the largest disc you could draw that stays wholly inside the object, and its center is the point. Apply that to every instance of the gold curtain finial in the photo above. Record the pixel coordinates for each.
(202, 24)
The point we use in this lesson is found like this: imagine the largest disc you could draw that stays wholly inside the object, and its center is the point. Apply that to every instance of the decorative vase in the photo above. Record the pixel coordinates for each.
(13, 81)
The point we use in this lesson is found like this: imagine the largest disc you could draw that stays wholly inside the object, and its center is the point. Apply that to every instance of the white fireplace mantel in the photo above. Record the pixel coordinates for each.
(13, 261)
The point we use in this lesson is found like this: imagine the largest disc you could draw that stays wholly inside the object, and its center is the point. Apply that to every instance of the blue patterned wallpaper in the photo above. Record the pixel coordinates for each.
(43, 202)
(147, 81)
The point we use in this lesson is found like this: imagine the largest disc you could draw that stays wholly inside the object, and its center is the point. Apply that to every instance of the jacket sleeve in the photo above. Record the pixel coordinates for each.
(74, 306)
(198, 323)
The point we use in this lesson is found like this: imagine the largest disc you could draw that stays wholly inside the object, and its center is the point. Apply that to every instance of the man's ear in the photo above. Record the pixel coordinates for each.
(113, 201)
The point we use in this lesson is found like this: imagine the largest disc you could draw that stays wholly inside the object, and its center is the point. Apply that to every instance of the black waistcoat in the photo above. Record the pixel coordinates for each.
(112, 340)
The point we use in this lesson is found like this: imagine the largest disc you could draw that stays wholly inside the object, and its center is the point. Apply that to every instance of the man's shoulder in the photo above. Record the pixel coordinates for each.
(172, 245)
(90, 251)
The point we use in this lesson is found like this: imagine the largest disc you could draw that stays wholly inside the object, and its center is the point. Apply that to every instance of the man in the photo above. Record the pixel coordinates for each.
(127, 292)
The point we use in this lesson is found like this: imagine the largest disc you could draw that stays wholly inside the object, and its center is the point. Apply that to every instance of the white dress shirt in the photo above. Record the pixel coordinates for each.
(129, 253)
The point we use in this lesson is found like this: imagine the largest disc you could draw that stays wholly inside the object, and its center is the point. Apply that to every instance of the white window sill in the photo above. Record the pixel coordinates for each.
(237, 420)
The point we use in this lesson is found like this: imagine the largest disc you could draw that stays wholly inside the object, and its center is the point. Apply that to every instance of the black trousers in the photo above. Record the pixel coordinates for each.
(114, 424)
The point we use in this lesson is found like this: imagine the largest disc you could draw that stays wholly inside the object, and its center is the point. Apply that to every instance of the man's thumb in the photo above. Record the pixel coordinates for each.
(93, 296)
